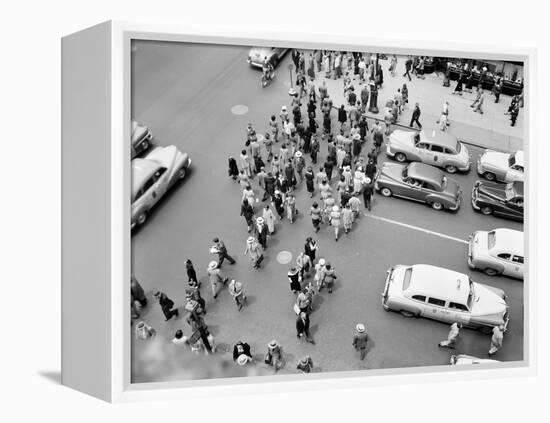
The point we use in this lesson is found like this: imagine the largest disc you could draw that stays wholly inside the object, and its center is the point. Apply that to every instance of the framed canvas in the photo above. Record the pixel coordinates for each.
(185, 147)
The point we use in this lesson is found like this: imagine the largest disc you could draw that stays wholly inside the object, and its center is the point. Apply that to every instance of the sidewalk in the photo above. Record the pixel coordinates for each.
(490, 130)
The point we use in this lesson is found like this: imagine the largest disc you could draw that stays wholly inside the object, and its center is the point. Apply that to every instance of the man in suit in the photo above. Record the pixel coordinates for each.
(166, 305)
(221, 250)
(360, 340)
(302, 327)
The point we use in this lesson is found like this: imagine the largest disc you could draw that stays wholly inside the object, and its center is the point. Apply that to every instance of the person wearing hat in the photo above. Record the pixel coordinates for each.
(237, 292)
(248, 195)
(416, 116)
(193, 293)
(320, 274)
(371, 169)
(274, 355)
(261, 232)
(278, 204)
(178, 338)
(294, 279)
(300, 164)
(254, 249)
(290, 176)
(354, 204)
(241, 348)
(233, 169)
(220, 249)
(215, 277)
(310, 248)
(452, 336)
(291, 211)
(288, 127)
(368, 192)
(335, 216)
(360, 340)
(144, 331)
(269, 219)
(347, 217)
(283, 115)
(191, 274)
(496, 339)
(358, 181)
(246, 163)
(328, 204)
(348, 176)
(330, 277)
(138, 294)
(315, 213)
(302, 327)
(166, 305)
(305, 365)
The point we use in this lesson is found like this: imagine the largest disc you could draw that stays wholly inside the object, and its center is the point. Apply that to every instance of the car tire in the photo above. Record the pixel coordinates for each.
(490, 176)
(400, 157)
(386, 192)
(142, 218)
(451, 169)
(181, 173)
(407, 313)
(436, 205)
(491, 272)
(145, 146)
(487, 211)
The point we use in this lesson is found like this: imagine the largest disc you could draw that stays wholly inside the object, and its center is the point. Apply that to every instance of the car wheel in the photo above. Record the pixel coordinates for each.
(145, 145)
(491, 272)
(407, 313)
(437, 205)
(490, 176)
(451, 169)
(400, 157)
(182, 172)
(386, 192)
(486, 210)
(142, 218)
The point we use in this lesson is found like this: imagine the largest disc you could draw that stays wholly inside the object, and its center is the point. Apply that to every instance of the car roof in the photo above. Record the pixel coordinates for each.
(509, 240)
(142, 170)
(425, 173)
(443, 139)
(439, 282)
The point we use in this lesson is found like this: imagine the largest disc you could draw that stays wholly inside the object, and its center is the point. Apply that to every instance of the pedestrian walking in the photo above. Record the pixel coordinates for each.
(329, 277)
(360, 340)
(310, 177)
(305, 365)
(254, 250)
(497, 89)
(261, 232)
(291, 211)
(246, 163)
(191, 274)
(166, 305)
(278, 202)
(269, 219)
(315, 213)
(310, 248)
(342, 116)
(325, 189)
(302, 327)
(200, 333)
(354, 204)
(248, 213)
(274, 355)
(368, 192)
(137, 292)
(299, 163)
(319, 277)
(459, 84)
(377, 137)
(216, 278)
(452, 336)
(193, 293)
(408, 66)
(405, 94)
(303, 262)
(315, 147)
(294, 280)
(347, 218)
(283, 115)
(233, 169)
(416, 116)
(514, 115)
(478, 102)
(241, 348)
(237, 292)
(144, 331)
(393, 65)
(496, 339)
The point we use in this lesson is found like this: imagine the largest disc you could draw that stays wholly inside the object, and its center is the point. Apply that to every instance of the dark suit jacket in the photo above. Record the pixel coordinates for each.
(302, 326)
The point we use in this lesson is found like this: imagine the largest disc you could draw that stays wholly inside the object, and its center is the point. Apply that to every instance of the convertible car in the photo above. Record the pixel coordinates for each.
(434, 148)
(419, 182)
(256, 55)
(498, 199)
(503, 167)
(153, 176)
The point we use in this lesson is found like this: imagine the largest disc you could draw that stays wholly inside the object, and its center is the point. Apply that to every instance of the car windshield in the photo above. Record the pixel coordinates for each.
(471, 295)
(511, 160)
(491, 239)
(509, 191)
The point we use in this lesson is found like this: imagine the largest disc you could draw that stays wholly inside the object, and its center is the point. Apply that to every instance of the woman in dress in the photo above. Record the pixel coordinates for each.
(248, 195)
(325, 189)
(405, 94)
(233, 168)
(294, 279)
(248, 213)
(278, 204)
(290, 202)
(254, 250)
(269, 219)
(335, 217)
(347, 218)
(275, 165)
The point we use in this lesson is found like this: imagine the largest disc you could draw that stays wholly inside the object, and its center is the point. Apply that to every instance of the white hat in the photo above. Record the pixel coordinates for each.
(283, 108)
(273, 344)
(335, 208)
(242, 360)
(250, 239)
(360, 327)
(322, 261)
(367, 180)
(298, 154)
(212, 265)
(260, 220)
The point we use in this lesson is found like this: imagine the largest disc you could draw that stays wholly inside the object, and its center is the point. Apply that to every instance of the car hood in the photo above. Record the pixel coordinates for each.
(491, 190)
(495, 159)
(490, 304)
(452, 188)
(166, 156)
(403, 138)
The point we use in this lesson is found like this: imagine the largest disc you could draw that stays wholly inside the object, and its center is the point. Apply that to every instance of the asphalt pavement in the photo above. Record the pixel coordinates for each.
(185, 94)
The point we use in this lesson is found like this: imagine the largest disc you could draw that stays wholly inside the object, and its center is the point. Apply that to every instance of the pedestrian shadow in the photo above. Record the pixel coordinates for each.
(272, 241)
(265, 261)
(250, 299)
(313, 329)
(223, 348)
(317, 301)
(213, 329)
(370, 344)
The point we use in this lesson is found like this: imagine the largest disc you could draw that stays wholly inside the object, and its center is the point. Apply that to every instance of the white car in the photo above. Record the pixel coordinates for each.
(433, 292)
(497, 252)
(503, 167)
(457, 360)
(141, 139)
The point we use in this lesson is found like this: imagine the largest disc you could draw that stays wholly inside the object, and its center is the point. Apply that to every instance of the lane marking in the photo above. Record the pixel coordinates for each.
(416, 228)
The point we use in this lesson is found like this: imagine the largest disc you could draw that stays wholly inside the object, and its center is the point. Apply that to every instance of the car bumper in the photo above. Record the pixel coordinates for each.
(466, 167)
(474, 200)
(479, 167)
(389, 153)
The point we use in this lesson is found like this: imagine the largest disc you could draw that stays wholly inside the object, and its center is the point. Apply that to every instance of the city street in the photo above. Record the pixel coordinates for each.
(187, 95)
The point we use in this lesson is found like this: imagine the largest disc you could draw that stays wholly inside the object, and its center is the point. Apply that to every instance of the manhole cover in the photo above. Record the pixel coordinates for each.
(284, 257)
(239, 109)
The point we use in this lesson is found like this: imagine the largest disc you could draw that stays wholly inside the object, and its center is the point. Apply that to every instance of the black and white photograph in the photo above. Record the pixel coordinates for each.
(316, 211)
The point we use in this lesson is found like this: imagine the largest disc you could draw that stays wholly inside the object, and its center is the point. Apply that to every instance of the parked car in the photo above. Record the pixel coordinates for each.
(498, 199)
(441, 294)
(141, 139)
(457, 360)
(497, 252)
(153, 176)
(419, 182)
(503, 167)
(256, 55)
(434, 148)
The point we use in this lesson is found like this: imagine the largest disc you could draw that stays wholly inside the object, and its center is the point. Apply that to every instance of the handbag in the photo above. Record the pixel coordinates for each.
(296, 309)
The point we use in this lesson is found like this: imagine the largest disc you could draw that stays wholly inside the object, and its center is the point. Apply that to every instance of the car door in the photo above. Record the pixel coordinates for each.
(459, 313)
(423, 151)
(412, 189)
(514, 173)
(436, 309)
(437, 155)
(161, 183)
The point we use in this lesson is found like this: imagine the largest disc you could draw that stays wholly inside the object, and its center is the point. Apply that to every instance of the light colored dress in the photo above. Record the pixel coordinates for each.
(269, 219)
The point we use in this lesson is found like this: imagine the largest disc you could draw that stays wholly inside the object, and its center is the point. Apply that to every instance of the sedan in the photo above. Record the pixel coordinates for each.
(498, 199)
(434, 148)
(441, 294)
(141, 139)
(153, 176)
(503, 167)
(497, 252)
(419, 182)
(257, 55)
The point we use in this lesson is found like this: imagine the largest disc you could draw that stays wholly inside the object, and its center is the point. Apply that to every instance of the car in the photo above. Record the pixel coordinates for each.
(419, 182)
(152, 177)
(256, 55)
(503, 167)
(459, 359)
(497, 252)
(505, 200)
(141, 139)
(423, 290)
(434, 148)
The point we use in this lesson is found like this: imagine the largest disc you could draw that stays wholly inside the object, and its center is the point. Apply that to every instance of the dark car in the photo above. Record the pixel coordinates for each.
(498, 199)
(419, 182)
